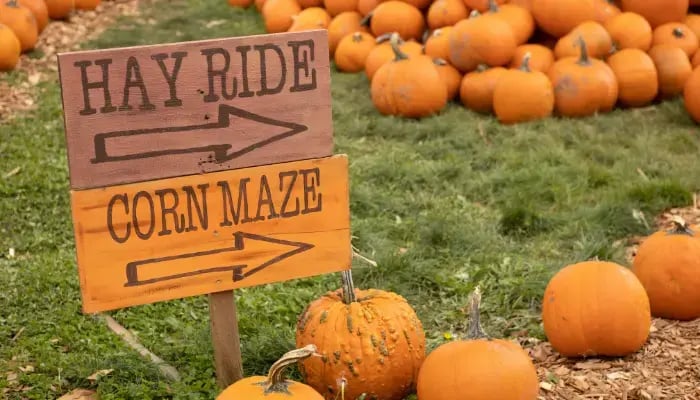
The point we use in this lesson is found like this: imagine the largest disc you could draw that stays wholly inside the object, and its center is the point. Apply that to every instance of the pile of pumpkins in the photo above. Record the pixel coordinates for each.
(518, 59)
(23, 21)
(369, 344)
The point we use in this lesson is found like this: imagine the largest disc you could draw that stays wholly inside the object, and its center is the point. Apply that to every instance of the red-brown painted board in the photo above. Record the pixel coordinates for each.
(159, 111)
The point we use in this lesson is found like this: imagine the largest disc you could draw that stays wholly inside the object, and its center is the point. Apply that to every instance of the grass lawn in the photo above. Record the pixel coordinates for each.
(441, 204)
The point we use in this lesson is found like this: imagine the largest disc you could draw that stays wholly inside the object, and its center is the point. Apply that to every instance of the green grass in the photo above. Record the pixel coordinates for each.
(438, 204)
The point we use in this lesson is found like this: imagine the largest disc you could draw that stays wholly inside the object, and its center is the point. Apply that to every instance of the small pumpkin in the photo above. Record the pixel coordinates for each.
(526, 4)
(274, 386)
(438, 43)
(695, 61)
(595, 308)
(344, 24)
(478, 367)
(541, 57)
(372, 338)
(310, 18)
(352, 51)
(481, 39)
(450, 76)
(419, 4)
(10, 49)
(673, 68)
(482, 5)
(310, 3)
(22, 22)
(383, 53)
(692, 21)
(335, 7)
(629, 31)
(636, 75)
(277, 14)
(446, 13)
(397, 16)
(93, 4)
(559, 17)
(364, 7)
(658, 12)
(676, 34)
(606, 10)
(41, 13)
(668, 261)
(523, 95)
(582, 85)
(477, 87)
(518, 18)
(259, 4)
(60, 9)
(597, 38)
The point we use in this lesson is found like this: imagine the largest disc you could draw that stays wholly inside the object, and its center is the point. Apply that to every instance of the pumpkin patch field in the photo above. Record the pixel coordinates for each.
(523, 193)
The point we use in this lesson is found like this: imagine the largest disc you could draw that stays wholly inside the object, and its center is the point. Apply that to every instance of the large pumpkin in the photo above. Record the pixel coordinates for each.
(629, 31)
(371, 338)
(397, 16)
(478, 368)
(658, 12)
(481, 39)
(274, 386)
(518, 18)
(523, 95)
(559, 17)
(667, 264)
(383, 53)
(598, 41)
(636, 75)
(595, 308)
(673, 69)
(10, 49)
(22, 22)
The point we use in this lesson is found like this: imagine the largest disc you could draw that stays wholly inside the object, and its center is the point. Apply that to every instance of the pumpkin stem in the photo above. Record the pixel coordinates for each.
(475, 331)
(482, 67)
(348, 287)
(680, 227)
(386, 36)
(367, 19)
(439, 61)
(357, 37)
(678, 32)
(474, 14)
(525, 63)
(493, 6)
(398, 54)
(11, 3)
(583, 59)
(426, 35)
(275, 382)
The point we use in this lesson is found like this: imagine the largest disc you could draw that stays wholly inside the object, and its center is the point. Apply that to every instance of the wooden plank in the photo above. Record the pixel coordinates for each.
(151, 112)
(160, 240)
(225, 338)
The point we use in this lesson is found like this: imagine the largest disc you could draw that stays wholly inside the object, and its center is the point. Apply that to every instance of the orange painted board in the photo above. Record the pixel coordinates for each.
(165, 239)
(141, 113)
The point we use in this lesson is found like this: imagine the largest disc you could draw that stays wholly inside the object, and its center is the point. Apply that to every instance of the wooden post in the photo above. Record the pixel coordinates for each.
(225, 338)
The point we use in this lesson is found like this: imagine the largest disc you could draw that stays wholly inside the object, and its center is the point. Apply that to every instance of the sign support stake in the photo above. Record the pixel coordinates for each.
(225, 338)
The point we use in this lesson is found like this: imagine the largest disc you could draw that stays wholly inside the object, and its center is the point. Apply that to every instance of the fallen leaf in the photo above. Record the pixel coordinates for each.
(80, 394)
(28, 368)
(99, 374)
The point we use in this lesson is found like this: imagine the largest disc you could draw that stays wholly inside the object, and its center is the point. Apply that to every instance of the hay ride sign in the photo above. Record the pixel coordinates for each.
(202, 167)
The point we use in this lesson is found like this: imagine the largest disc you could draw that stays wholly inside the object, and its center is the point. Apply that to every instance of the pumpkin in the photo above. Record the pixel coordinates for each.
(41, 13)
(21, 21)
(352, 51)
(481, 39)
(259, 4)
(595, 308)
(526, 4)
(60, 9)
(93, 4)
(481, 5)
(523, 95)
(446, 13)
(438, 43)
(636, 75)
(476, 89)
(450, 76)
(658, 12)
(371, 338)
(582, 85)
(598, 41)
(343, 24)
(518, 18)
(606, 9)
(310, 3)
(673, 68)
(692, 21)
(629, 31)
(478, 367)
(420, 4)
(274, 386)
(396, 16)
(676, 34)
(310, 18)
(668, 261)
(366, 6)
(691, 93)
(277, 14)
(383, 53)
(10, 48)
(541, 57)
(559, 17)
(695, 61)
(335, 7)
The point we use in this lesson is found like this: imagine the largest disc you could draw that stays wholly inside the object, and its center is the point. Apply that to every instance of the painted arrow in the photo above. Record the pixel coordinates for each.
(221, 151)
(212, 257)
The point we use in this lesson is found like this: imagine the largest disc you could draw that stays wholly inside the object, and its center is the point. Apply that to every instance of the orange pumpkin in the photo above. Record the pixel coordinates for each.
(60, 9)
(310, 18)
(372, 338)
(383, 53)
(397, 16)
(597, 40)
(541, 57)
(450, 76)
(277, 14)
(559, 17)
(526, 4)
(366, 6)
(481, 5)
(335, 7)
(668, 261)
(695, 61)
(582, 85)
(10, 49)
(692, 21)
(93, 4)
(438, 43)
(523, 95)
(21, 21)
(636, 76)
(478, 367)
(274, 386)
(419, 4)
(344, 24)
(476, 89)
(613, 322)
(691, 92)
(41, 13)
(518, 18)
(658, 12)
(606, 10)
(446, 13)
(676, 34)
(352, 51)
(310, 3)
(259, 4)
(673, 68)
(629, 31)
(481, 39)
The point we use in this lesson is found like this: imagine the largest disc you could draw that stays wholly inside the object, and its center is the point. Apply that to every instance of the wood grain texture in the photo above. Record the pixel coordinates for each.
(225, 338)
(160, 240)
(151, 112)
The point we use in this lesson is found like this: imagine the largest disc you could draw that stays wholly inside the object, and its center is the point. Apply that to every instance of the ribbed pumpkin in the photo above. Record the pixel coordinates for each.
(446, 13)
(335, 7)
(277, 14)
(478, 367)
(518, 18)
(274, 386)
(673, 68)
(60, 9)
(523, 95)
(10, 49)
(595, 308)
(310, 18)
(93, 4)
(41, 13)
(352, 51)
(598, 41)
(22, 22)
(344, 24)
(371, 338)
(450, 76)
(477, 87)
(658, 12)
(481, 39)
(559, 17)
(637, 79)
(676, 34)
(438, 43)
(629, 31)
(383, 53)
(541, 57)
(397, 16)
(667, 264)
